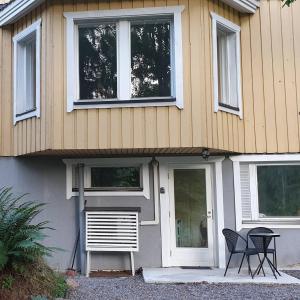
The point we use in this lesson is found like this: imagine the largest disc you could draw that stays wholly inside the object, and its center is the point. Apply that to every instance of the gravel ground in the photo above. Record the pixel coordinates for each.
(134, 288)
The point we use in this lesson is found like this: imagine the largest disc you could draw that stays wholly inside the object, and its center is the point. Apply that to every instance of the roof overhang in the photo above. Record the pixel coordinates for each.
(244, 6)
(16, 9)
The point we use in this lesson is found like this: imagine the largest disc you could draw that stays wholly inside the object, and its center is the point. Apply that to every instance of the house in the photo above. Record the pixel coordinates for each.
(185, 109)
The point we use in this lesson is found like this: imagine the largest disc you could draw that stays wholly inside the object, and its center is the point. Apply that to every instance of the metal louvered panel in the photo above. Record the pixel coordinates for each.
(245, 192)
(112, 231)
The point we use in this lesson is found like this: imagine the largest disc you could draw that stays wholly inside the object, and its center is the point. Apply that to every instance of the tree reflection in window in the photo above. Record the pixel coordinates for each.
(98, 61)
(150, 59)
(107, 178)
(279, 191)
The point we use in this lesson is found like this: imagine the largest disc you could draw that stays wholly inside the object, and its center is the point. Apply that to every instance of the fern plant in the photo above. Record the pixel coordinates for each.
(20, 238)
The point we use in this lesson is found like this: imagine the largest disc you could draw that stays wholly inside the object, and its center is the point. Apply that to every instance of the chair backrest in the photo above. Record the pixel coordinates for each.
(231, 238)
(257, 240)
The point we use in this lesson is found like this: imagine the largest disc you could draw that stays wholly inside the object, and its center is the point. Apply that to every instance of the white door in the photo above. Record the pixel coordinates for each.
(191, 234)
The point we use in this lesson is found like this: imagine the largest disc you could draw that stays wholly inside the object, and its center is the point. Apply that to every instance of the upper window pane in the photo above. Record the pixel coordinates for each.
(150, 59)
(279, 191)
(227, 70)
(98, 62)
(26, 74)
(115, 178)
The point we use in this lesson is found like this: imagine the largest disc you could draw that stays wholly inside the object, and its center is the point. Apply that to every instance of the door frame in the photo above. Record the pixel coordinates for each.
(193, 261)
(217, 203)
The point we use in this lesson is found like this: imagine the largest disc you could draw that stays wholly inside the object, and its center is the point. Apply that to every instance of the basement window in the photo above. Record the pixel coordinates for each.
(226, 64)
(110, 177)
(27, 73)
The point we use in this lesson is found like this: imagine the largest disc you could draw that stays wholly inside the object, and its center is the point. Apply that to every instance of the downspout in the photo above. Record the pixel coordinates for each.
(155, 168)
(81, 218)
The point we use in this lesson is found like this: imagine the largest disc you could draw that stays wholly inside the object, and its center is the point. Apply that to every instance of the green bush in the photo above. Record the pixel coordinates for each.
(20, 239)
(7, 282)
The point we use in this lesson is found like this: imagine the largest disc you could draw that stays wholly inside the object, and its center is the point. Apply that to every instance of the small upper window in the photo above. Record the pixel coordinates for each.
(27, 73)
(129, 57)
(226, 62)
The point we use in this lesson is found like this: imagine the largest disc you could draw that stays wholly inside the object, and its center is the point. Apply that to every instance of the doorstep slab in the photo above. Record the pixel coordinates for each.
(178, 275)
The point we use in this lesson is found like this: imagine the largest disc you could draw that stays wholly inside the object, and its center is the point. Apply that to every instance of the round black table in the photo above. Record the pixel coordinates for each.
(264, 237)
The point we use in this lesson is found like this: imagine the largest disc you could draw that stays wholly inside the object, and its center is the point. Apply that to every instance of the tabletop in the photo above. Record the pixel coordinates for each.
(265, 234)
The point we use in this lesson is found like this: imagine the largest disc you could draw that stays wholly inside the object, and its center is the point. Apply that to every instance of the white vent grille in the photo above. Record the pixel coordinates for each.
(245, 192)
(111, 231)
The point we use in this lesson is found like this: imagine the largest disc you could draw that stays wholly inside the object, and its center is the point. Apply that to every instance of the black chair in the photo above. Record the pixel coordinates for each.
(257, 242)
(233, 241)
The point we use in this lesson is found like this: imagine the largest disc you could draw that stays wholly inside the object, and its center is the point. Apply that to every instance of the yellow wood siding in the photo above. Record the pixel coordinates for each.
(270, 58)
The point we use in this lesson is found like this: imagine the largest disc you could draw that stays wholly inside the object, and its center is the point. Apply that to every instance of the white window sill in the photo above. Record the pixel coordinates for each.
(113, 194)
(273, 223)
(233, 111)
(88, 104)
(26, 115)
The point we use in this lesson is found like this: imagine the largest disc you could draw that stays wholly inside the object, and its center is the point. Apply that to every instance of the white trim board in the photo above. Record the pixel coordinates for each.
(16, 9)
(116, 162)
(235, 66)
(244, 6)
(252, 161)
(266, 157)
(218, 210)
(75, 18)
(18, 38)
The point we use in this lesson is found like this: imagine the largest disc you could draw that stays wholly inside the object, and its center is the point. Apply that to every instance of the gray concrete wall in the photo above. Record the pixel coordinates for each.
(45, 181)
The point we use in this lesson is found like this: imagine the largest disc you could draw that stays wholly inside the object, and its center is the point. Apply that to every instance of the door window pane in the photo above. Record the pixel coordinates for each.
(150, 59)
(278, 191)
(190, 208)
(98, 62)
(116, 178)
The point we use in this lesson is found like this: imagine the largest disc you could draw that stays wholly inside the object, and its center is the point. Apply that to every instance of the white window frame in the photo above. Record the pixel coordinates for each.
(253, 161)
(218, 20)
(109, 162)
(35, 27)
(73, 18)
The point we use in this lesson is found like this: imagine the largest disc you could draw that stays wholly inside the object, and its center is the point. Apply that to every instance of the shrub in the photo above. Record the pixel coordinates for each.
(20, 239)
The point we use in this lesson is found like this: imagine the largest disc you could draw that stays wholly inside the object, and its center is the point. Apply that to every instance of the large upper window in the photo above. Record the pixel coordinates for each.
(226, 63)
(125, 58)
(27, 73)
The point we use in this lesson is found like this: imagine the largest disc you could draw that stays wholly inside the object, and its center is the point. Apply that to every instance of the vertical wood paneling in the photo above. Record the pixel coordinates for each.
(268, 80)
(69, 118)
(249, 119)
(289, 79)
(270, 43)
(257, 84)
(186, 120)
(197, 76)
(6, 90)
(278, 71)
(296, 37)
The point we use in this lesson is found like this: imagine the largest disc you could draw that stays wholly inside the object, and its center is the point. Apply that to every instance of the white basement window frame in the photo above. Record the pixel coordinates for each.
(27, 63)
(227, 95)
(120, 16)
(246, 190)
(143, 163)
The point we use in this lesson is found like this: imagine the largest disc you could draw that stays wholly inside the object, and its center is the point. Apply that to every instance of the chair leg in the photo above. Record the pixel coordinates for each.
(241, 263)
(262, 268)
(228, 264)
(249, 267)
